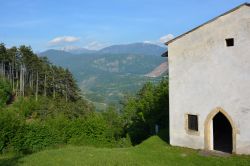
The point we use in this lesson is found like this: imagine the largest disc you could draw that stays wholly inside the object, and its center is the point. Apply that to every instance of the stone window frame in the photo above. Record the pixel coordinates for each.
(192, 132)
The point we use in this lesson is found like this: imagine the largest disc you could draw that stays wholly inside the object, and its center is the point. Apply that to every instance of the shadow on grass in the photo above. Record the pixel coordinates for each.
(10, 161)
(164, 135)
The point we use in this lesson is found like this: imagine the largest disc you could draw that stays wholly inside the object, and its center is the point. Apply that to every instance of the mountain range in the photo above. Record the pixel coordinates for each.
(104, 76)
(134, 48)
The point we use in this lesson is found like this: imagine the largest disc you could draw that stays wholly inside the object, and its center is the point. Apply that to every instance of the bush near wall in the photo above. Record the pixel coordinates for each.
(150, 107)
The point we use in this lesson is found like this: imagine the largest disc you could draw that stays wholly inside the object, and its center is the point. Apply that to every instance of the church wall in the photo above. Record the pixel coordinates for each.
(205, 74)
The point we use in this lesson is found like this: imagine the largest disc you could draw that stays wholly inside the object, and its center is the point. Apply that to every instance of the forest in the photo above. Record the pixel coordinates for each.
(29, 74)
(42, 106)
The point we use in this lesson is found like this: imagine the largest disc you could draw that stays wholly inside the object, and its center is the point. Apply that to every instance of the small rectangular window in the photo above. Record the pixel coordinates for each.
(230, 42)
(193, 122)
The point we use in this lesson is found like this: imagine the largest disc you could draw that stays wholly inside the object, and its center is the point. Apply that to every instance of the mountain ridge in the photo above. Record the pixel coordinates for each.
(132, 48)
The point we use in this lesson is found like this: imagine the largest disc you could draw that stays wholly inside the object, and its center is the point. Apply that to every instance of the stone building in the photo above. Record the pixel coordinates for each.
(209, 83)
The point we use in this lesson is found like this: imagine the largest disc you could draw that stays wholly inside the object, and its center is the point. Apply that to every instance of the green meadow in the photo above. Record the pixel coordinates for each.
(152, 152)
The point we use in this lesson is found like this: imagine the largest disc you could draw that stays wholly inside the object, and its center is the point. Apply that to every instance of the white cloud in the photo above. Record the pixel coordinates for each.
(63, 39)
(166, 38)
(149, 42)
(160, 41)
(95, 45)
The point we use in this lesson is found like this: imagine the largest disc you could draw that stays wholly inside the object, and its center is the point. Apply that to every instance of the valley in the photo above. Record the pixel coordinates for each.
(105, 76)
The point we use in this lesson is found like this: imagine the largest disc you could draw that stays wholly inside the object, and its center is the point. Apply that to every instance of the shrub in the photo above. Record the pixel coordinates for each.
(60, 124)
(39, 136)
(46, 108)
(30, 126)
(25, 106)
(5, 91)
(36, 136)
(91, 130)
(11, 124)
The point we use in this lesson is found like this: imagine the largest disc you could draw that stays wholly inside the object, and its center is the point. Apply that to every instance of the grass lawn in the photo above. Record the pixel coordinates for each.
(152, 152)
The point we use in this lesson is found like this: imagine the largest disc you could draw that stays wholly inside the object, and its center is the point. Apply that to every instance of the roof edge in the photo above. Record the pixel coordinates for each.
(230, 11)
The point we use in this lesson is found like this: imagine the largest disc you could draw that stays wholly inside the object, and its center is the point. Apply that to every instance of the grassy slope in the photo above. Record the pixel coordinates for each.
(151, 152)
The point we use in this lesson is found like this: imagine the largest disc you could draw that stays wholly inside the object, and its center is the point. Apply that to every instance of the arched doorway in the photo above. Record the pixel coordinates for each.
(219, 132)
(222, 134)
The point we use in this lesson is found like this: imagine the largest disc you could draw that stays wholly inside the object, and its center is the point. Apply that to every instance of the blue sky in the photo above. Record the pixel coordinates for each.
(93, 24)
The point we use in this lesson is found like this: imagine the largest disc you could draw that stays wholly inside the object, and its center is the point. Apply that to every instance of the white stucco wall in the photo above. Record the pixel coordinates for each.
(204, 74)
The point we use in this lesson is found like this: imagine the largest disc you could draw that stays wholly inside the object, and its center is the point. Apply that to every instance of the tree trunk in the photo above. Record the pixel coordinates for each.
(45, 84)
(3, 69)
(36, 86)
(54, 89)
(20, 81)
(66, 93)
(32, 86)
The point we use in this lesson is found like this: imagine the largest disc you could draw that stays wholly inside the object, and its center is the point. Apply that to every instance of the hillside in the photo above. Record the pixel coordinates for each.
(159, 70)
(105, 75)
